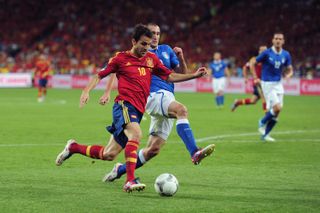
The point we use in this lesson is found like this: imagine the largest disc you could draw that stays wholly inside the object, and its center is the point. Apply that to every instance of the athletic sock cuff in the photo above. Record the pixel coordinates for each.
(141, 157)
(182, 121)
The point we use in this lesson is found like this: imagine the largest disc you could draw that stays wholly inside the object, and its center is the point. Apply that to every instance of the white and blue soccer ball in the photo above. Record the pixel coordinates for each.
(166, 184)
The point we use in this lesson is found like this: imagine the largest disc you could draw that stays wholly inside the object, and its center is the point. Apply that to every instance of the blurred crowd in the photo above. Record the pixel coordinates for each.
(78, 37)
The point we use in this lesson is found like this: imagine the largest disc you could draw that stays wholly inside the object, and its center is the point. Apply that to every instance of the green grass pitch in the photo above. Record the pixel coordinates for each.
(243, 175)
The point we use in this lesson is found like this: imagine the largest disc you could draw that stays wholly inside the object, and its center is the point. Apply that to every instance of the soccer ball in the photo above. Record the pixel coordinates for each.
(166, 184)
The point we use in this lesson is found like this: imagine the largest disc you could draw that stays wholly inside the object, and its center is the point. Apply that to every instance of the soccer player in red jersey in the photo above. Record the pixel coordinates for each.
(42, 68)
(133, 69)
(257, 91)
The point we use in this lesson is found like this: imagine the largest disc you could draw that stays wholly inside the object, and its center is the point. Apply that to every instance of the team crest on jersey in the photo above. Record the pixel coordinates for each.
(282, 60)
(133, 116)
(165, 55)
(150, 62)
(128, 64)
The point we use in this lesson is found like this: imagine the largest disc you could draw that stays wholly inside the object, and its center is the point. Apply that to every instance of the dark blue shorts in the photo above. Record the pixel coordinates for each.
(123, 113)
(43, 82)
(256, 91)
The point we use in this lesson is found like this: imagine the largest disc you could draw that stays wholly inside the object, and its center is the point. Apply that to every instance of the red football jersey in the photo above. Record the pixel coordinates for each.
(258, 68)
(134, 76)
(42, 68)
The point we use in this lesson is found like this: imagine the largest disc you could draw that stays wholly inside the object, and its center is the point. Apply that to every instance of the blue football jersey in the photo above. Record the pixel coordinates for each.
(218, 68)
(273, 64)
(169, 58)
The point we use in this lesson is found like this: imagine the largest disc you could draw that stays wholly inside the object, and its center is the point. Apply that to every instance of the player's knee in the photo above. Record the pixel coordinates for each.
(182, 111)
(135, 135)
(277, 109)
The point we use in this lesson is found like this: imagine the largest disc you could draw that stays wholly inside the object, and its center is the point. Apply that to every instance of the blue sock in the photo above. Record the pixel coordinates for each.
(222, 99)
(217, 100)
(185, 133)
(270, 126)
(267, 117)
(140, 162)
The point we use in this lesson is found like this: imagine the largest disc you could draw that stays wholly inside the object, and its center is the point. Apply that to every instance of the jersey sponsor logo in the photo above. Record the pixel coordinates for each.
(150, 62)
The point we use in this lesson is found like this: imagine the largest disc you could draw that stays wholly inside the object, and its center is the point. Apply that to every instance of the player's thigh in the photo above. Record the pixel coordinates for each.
(133, 131)
(158, 103)
(161, 126)
(155, 142)
(175, 108)
(218, 85)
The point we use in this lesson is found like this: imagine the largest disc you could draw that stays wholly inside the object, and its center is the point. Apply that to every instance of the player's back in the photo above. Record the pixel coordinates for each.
(168, 57)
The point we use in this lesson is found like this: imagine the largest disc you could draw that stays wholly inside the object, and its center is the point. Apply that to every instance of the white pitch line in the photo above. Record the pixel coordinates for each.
(201, 140)
(254, 134)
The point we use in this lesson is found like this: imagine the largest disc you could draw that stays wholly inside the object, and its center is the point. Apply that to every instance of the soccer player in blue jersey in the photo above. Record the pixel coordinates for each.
(275, 62)
(163, 109)
(219, 70)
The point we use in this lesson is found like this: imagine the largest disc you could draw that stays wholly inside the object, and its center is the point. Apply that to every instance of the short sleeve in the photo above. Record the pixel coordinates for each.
(262, 56)
(111, 67)
(160, 70)
(174, 61)
(288, 60)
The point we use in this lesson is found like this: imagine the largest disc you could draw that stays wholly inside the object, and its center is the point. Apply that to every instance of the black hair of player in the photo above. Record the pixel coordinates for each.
(140, 30)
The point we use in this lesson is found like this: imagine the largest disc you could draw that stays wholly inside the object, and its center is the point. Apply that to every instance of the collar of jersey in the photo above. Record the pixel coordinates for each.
(275, 51)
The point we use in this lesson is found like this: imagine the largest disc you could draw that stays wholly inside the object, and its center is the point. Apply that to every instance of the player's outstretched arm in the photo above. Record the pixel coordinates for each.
(177, 77)
(84, 98)
(105, 98)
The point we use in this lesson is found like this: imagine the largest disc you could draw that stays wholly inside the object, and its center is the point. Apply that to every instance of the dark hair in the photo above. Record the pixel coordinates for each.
(140, 30)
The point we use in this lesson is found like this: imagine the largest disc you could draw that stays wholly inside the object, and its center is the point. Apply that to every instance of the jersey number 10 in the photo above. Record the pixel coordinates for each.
(142, 71)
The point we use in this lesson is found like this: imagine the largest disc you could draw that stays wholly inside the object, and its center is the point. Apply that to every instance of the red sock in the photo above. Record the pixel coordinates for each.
(247, 101)
(243, 101)
(130, 154)
(264, 106)
(94, 151)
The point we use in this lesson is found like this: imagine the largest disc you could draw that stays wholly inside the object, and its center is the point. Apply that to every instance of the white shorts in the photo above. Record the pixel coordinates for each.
(273, 93)
(157, 107)
(218, 84)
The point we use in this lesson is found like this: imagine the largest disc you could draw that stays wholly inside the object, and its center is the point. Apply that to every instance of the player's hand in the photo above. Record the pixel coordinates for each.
(104, 99)
(84, 98)
(202, 71)
(178, 51)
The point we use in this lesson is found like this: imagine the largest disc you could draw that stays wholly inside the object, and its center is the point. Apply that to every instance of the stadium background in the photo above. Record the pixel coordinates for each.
(79, 37)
